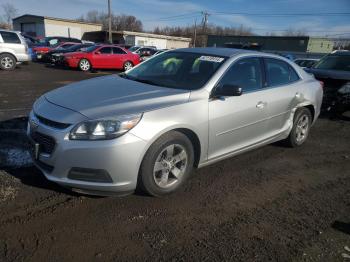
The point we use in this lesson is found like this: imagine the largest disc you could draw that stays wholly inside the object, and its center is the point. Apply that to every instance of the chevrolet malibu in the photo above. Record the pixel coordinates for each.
(150, 126)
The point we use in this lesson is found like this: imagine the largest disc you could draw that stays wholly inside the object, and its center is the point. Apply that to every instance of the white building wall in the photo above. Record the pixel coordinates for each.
(150, 41)
(62, 30)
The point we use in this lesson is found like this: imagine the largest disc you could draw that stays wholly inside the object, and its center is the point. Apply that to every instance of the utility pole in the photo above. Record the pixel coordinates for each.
(195, 33)
(109, 22)
(204, 25)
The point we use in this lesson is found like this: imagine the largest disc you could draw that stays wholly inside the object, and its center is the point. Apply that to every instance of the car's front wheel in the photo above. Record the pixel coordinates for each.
(7, 62)
(84, 65)
(301, 127)
(167, 164)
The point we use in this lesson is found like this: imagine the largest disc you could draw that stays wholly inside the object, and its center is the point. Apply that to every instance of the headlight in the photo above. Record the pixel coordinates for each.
(104, 129)
(345, 89)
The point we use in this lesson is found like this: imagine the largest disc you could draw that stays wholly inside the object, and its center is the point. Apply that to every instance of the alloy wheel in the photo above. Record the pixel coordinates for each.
(170, 166)
(7, 62)
(84, 65)
(302, 128)
(128, 66)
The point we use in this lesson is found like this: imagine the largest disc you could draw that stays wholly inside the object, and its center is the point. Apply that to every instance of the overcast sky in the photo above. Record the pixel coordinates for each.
(150, 12)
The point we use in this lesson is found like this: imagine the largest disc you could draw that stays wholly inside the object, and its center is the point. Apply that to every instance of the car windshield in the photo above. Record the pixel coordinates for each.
(134, 48)
(179, 70)
(334, 62)
(91, 49)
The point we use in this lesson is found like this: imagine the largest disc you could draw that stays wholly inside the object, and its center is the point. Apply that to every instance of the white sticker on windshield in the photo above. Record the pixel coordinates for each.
(214, 59)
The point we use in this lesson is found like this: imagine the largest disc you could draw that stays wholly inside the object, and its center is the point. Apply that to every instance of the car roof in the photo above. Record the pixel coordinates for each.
(341, 52)
(217, 51)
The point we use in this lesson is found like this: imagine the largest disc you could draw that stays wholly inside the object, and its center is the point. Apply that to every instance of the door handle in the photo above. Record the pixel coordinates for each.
(261, 105)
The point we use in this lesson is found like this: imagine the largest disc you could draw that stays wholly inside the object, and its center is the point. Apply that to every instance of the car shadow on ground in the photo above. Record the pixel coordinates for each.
(342, 227)
(92, 71)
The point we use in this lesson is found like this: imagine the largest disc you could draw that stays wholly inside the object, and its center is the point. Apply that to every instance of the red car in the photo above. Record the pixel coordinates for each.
(102, 56)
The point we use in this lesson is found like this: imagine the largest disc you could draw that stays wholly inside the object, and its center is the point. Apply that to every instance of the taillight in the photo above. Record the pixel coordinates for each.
(322, 84)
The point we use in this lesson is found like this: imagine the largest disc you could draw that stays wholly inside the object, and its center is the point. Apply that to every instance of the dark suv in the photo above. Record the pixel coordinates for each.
(334, 71)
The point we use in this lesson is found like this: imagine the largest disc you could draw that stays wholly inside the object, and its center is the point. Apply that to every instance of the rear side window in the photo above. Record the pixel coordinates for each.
(279, 72)
(10, 38)
(117, 50)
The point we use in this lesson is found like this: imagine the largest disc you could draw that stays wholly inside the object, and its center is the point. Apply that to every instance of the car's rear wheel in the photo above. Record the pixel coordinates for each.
(301, 127)
(167, 164)
(7, 62)
(84, 65)
(128, 65)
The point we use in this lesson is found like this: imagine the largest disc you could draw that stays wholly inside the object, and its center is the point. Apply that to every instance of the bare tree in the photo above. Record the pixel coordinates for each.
(119, 22)
(10, 12)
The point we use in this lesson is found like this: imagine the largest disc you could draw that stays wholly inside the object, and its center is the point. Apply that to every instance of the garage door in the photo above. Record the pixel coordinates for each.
(29, 28)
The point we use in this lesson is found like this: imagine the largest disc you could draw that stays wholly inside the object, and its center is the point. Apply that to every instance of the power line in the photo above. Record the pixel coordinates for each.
(281, 14)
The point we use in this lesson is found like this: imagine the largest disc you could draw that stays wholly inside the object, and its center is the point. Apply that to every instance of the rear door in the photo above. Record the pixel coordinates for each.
(119, 57)
(102, 58)
(13, 42)
(284, 91)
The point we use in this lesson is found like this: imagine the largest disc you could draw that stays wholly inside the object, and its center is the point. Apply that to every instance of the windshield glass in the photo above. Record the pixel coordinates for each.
(334, 62)
(91, 49)
(180, 70)
(134, 48)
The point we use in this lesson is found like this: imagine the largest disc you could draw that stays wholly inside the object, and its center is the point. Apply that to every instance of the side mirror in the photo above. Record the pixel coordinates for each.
(228, 90)
(97, 53)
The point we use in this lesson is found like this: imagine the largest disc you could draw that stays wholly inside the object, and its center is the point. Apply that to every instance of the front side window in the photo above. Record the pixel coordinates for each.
(180, 70)
(10, 38)
(246, 74)
(279, 72)
(117, 50)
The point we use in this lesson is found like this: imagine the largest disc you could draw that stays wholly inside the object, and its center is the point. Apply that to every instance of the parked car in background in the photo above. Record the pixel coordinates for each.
(334, 71)
(56, 56)
(45, 57)
(48, 43)
(306, 62)
(13, 49)
(144, 51)
(153, 124)
(159, 51)
(102, 57)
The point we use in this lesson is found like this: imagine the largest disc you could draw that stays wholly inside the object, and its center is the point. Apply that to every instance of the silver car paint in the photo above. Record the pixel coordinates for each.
(259, 117)
(20, 50)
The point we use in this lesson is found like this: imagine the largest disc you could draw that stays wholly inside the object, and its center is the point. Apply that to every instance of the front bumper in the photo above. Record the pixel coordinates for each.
(120, 158)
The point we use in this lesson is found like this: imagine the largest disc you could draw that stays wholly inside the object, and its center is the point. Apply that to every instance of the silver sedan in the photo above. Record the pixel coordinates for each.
(150, 126)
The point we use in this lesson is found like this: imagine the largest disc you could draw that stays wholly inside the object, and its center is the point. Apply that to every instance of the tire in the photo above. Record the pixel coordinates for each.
(128, 65)
(301, 127)
(162, 174)
(7, 62)
(84, 65)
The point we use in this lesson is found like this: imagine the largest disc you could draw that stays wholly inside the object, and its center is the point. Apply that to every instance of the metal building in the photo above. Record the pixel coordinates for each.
(42, 26)
(294, 44)
(137, 38)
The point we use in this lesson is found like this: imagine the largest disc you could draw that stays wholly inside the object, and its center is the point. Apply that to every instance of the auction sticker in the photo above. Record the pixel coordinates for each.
(214, 59)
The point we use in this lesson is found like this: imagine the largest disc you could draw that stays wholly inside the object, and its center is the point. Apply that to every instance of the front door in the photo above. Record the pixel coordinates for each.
(238, 121)
(103, 58)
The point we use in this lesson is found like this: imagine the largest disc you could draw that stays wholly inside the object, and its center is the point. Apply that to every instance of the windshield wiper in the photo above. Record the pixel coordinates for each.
(145, 81)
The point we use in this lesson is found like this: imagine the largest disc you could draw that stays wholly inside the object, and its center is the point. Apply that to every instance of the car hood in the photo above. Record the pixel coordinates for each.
(114, 96)
(331, 74)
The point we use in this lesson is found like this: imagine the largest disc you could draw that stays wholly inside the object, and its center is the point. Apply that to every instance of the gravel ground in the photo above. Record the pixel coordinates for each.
(271, 204)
